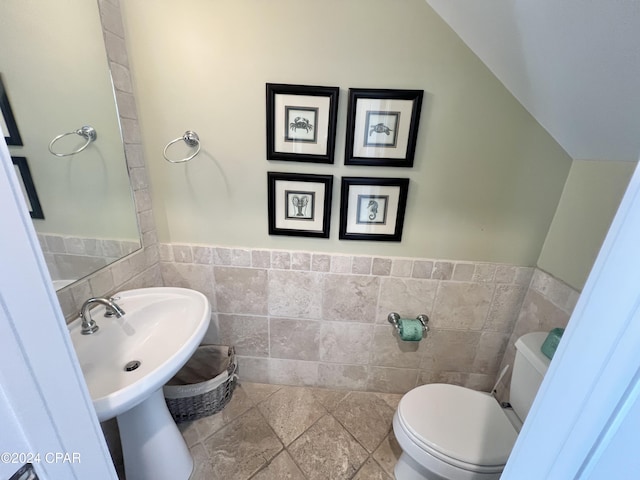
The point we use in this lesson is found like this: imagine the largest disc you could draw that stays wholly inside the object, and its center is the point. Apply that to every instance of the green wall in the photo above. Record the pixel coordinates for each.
(588, 204)
(487, 177)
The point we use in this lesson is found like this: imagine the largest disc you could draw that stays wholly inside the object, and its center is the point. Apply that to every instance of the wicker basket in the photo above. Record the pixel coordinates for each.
(204, 385)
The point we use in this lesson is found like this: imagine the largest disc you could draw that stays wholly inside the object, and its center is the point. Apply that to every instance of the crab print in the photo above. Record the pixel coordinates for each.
(380, 128)
(302, 123)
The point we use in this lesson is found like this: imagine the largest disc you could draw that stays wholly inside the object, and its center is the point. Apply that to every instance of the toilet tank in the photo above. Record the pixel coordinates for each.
(529, 369)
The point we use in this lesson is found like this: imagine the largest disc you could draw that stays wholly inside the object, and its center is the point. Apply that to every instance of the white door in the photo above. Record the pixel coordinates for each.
(585, 421)
(47, 417)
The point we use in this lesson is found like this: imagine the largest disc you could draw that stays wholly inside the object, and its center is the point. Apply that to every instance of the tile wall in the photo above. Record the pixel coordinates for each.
(547, 304)
(71, 257)
(316, 319)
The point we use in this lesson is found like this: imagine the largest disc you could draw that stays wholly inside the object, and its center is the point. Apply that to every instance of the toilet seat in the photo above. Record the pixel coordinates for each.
(462, 427)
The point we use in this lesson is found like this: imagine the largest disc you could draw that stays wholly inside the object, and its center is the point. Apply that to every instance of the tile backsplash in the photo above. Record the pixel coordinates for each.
(548, 304)
(307, 318)
(71, 257)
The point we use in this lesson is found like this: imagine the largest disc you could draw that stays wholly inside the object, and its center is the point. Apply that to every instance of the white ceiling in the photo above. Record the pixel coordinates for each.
(573, 64)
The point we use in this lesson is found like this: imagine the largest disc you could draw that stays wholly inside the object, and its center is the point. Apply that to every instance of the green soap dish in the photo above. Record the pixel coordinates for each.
(550, 344)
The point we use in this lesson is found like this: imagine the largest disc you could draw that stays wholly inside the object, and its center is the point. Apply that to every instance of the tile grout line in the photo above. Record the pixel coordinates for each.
(285, 448)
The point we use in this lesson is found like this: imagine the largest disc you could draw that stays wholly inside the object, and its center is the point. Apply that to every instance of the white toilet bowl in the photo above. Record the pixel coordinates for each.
(449, 432)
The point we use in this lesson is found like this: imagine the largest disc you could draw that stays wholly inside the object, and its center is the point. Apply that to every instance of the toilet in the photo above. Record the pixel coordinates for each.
(448, 432)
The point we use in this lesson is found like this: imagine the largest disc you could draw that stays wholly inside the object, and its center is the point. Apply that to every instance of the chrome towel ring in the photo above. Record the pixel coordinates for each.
(88, 132)
(191, 139)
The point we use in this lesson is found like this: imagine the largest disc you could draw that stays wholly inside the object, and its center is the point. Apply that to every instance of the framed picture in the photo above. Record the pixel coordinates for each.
(301, 122)
(28, 188)
(7, 121)
(373, 208)
(382, 127)
(299, 205)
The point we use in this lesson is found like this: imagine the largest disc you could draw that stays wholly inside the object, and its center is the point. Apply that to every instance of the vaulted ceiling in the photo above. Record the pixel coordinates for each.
(573, 64)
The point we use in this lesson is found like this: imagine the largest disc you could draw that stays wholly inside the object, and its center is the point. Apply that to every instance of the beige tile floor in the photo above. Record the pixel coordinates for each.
(275, 432)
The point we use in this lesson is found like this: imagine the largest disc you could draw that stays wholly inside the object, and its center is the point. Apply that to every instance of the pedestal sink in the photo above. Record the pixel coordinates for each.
(126, 363)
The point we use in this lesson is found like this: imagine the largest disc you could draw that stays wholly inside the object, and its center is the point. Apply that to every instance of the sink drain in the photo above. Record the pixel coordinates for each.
(131, 366)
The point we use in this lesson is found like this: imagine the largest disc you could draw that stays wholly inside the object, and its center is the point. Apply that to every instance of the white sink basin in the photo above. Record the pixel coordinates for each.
(161, 329)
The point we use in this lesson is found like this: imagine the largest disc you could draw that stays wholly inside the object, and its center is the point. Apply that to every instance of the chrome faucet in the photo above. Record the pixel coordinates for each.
(89, 325)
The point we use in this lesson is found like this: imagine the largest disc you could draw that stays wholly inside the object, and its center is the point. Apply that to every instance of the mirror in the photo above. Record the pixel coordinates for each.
(55, 74)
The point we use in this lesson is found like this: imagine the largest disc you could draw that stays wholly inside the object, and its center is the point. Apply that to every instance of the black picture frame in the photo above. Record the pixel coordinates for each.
(299, 204)
(373, 208)
(11, 133)
(301, 122)
(382, 127)
(28, 187)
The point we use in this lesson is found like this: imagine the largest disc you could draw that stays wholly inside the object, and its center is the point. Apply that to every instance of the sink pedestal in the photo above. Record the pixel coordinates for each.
(127, 362)
(152, 446)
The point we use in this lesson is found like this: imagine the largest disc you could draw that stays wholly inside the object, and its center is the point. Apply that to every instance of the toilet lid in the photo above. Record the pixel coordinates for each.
(461, 426)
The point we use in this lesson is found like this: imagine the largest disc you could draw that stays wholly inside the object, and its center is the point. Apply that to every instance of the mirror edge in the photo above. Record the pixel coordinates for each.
(141, 267)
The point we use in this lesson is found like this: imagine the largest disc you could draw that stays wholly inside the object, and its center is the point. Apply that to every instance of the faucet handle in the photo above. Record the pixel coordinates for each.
(108, 311)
